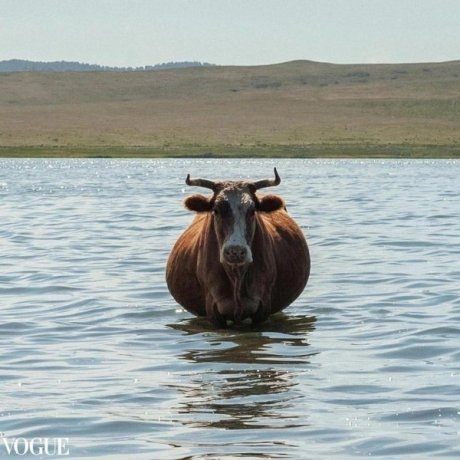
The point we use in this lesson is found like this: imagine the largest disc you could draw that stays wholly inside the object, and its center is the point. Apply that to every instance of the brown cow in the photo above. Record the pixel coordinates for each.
(242, 256)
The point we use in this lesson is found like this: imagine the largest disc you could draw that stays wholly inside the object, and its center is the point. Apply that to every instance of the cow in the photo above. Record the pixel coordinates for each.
(242, 257)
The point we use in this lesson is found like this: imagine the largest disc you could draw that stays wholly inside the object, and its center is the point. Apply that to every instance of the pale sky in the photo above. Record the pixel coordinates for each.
(233, 32)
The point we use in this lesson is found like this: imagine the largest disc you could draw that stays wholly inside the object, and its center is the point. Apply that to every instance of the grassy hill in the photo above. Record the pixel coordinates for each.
(298, 108)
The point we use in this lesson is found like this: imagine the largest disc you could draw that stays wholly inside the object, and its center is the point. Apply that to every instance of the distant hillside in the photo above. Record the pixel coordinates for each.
(298, 108)
(19, 65)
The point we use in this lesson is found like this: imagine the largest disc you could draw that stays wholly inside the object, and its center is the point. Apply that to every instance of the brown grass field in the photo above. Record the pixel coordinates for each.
(298, 109)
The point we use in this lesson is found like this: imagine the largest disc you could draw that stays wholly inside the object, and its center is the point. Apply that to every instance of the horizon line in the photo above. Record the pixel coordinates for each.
(210, 64)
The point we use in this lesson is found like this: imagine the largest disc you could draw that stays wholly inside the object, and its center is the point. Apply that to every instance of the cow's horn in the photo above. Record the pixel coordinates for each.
(268, 182)
(200, 182)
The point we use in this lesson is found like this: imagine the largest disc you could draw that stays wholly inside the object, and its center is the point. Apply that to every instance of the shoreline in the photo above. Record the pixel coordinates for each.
(428, 151)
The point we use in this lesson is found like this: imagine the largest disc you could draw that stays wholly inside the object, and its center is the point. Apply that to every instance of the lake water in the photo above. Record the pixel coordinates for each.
(93, 348)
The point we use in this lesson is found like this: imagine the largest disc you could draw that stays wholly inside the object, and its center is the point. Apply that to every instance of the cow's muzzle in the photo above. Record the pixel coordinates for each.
(237, 255)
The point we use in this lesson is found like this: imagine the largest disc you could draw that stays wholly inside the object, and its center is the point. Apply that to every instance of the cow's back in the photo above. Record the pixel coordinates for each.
(181, 268)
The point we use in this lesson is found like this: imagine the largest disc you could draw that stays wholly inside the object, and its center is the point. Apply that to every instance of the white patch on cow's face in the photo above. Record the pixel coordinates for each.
(239, 203)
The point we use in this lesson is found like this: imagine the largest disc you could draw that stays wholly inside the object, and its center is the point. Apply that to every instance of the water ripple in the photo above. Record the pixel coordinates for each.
(93, 348)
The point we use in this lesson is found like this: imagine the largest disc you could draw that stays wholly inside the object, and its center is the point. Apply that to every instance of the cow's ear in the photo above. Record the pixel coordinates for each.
(198, 203)
(270, 203)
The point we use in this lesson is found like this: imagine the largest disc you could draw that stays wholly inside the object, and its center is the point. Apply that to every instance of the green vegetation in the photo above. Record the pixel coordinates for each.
(297, 109)
(230, 151)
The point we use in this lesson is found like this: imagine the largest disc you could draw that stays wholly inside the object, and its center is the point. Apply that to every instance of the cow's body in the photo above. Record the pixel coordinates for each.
(208, 279)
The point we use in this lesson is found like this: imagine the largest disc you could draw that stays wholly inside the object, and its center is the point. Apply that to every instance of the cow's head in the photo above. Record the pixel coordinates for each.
(234, 205)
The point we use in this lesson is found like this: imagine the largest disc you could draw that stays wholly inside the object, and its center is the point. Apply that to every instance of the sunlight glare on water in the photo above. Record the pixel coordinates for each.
(94, 349)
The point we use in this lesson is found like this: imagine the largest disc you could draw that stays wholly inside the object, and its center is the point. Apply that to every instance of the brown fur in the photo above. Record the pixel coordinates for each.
(278, 274)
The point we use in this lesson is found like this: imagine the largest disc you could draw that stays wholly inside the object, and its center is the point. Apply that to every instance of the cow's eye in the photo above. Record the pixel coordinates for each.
(251, 211)
(222, 209)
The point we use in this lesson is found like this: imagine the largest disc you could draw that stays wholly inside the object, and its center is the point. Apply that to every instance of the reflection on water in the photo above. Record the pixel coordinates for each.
(250, 380)
(251, 345)
(238, 399)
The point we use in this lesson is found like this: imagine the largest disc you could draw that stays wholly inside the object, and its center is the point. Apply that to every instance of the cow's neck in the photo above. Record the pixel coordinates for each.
(237, 277)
